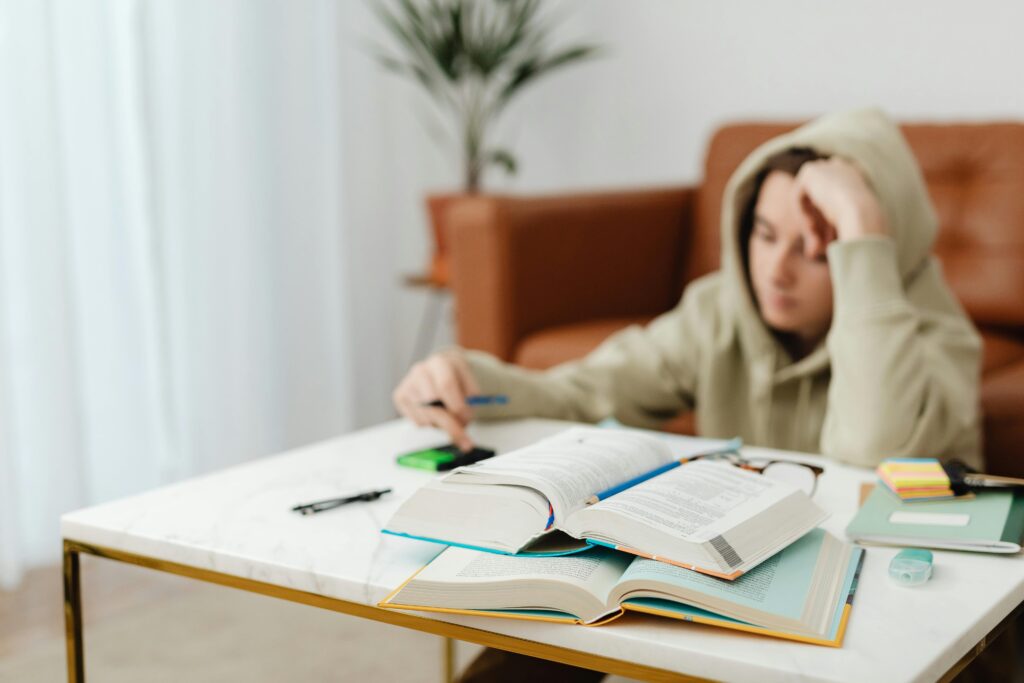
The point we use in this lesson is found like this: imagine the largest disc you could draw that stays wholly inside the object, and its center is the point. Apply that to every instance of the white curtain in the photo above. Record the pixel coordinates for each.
(173, 287)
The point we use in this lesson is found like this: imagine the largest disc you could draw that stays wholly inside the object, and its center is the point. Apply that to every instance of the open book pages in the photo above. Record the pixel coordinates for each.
(508, 501)
(571, 588)
(704, 515)
(708, 516)
(801, 593)
(570, 467)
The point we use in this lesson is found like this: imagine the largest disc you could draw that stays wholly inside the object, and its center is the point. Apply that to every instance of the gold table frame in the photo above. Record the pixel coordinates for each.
(75, 642)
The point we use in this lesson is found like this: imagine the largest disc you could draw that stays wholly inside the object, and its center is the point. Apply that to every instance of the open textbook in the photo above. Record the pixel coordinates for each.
(802, 593)
(708, 516)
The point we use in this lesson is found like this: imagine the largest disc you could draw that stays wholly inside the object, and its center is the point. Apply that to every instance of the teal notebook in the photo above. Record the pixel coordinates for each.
(990, 522)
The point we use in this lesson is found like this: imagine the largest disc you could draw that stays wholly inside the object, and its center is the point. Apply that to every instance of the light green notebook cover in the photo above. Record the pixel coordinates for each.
(991, 522)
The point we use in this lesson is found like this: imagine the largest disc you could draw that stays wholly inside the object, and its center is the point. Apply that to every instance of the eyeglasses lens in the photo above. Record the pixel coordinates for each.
(792, 473)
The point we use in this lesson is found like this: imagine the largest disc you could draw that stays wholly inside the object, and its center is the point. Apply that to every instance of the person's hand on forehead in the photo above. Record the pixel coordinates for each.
(839, 203)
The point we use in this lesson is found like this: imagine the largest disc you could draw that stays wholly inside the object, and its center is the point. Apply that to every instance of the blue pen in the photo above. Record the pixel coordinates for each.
(730, 447)
(480, 400)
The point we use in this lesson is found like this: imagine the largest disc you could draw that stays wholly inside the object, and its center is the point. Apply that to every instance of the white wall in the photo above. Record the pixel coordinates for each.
(642, 114)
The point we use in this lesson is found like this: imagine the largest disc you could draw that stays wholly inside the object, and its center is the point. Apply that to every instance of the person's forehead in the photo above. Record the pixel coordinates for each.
(778, 202)
(777, 186)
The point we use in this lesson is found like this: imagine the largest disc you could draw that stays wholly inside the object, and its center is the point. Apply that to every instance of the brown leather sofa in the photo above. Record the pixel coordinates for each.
(541, 280)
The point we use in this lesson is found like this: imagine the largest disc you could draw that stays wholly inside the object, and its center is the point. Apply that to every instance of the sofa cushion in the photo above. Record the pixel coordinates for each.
(557, 345)
(999, 350)
(684, 423)
(974, 174)
(562, 343)
(1002, 395)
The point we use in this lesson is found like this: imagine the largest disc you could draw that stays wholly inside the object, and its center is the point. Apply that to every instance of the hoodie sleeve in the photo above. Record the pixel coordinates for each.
(641, 376)
(905, 361)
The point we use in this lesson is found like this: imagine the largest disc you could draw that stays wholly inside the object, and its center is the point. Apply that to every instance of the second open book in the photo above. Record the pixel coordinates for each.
(707, 516)
(802, 593)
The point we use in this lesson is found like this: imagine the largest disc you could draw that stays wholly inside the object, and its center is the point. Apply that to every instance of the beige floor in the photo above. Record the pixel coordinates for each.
(147, 626)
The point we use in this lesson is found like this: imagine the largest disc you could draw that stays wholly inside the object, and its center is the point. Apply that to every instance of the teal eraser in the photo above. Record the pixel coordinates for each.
(911, 566)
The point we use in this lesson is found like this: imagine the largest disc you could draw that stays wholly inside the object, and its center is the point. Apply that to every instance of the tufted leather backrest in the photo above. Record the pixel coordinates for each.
(975, 175)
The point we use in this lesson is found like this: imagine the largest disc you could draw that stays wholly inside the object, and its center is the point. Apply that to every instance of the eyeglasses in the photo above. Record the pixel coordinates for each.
(800, 475)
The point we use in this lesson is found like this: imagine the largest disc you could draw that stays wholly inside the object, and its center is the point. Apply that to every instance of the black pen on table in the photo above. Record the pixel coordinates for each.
(331, 503)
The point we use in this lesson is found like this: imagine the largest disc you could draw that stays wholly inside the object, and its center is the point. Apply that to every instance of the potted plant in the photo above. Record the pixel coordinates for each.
(472, 57)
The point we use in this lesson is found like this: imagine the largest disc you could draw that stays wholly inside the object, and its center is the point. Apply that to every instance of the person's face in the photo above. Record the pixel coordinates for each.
(793, 291)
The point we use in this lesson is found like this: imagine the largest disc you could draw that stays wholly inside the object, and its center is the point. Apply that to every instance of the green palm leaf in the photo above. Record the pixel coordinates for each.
(473, 57)
(503, 158)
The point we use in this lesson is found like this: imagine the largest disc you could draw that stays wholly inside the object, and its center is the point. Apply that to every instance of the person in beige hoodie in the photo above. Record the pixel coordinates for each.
(829, 327)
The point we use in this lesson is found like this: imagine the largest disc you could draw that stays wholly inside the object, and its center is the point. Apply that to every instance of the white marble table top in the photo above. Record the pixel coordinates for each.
(238, 521)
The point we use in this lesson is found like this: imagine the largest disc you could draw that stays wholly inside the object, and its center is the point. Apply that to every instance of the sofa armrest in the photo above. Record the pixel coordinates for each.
(522, 264)
(1002, 404)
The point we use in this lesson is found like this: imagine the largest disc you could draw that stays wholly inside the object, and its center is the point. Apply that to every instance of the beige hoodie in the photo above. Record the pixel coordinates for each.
(897, 374)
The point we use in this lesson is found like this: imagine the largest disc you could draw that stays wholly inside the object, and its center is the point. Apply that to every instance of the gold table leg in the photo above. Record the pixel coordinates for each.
(449, 660)
(73, 621)
(73, 615)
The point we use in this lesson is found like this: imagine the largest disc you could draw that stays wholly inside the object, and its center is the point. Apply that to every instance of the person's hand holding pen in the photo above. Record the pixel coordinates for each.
(443, 377)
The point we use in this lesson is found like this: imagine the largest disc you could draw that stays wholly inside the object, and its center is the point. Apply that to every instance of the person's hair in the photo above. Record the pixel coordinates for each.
(788, 161)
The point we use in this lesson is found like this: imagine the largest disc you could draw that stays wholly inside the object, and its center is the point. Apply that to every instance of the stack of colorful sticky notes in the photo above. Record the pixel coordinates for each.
(915, 478)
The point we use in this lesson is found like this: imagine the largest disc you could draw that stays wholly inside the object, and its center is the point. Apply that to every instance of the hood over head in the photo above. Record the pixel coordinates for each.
(870, 140)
